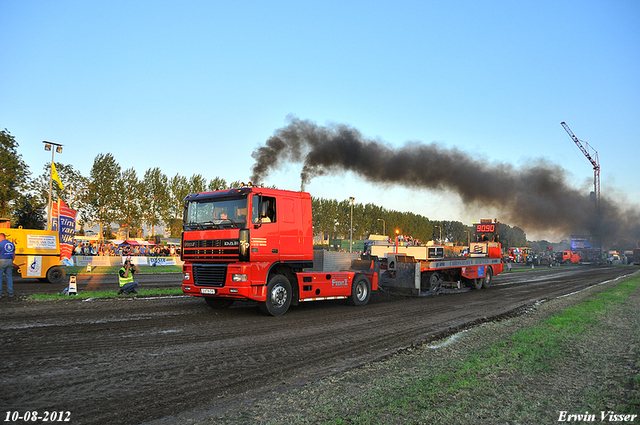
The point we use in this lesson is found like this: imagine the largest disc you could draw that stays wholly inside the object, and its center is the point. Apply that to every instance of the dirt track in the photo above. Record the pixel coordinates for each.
(170, 359)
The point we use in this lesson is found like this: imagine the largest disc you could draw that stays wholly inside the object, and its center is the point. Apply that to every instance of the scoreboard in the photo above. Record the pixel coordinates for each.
(486, 225)
(486, 228)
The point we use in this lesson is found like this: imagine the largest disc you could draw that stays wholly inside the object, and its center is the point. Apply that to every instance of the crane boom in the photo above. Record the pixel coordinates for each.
(592, 158)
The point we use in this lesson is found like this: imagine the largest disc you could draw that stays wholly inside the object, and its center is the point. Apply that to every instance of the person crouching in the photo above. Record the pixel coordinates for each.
(125, 276)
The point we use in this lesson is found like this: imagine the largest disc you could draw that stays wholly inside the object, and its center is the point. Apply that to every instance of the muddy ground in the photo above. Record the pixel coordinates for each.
(166, 360)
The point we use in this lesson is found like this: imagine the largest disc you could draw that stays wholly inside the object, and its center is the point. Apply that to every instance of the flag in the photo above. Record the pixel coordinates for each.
(55, 176)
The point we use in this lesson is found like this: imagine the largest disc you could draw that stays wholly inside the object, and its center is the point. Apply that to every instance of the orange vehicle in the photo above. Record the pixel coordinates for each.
(567, 257)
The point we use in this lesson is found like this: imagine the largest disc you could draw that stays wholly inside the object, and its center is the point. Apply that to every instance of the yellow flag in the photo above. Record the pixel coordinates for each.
(55, 176)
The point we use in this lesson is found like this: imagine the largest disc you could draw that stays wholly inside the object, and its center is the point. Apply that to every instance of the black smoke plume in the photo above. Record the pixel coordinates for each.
(537, 196)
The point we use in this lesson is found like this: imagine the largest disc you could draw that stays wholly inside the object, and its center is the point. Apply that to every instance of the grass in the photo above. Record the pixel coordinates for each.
(574, 354)
(103, 294)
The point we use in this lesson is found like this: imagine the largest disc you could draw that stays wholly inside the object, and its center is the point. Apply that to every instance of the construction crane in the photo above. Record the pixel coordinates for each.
(592, 157)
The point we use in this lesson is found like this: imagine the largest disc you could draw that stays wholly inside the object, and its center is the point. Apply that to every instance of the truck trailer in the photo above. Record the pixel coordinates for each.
(255, 243)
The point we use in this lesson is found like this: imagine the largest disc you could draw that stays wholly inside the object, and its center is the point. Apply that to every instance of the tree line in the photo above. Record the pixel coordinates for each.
(110, 195)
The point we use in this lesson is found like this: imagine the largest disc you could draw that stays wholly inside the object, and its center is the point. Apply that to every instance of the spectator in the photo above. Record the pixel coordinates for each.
(7, 255)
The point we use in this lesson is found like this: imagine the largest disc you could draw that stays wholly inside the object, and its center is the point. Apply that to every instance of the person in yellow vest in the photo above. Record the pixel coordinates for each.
(125, 277)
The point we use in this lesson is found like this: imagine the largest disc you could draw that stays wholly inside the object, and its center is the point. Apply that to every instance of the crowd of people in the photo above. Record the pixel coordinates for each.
(124, 250)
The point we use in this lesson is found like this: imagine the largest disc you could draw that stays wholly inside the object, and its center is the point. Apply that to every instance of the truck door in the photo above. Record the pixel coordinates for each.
(264, 229)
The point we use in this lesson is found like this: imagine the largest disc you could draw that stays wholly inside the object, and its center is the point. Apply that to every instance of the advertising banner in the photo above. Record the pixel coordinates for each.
(585, 242)
(64, 220)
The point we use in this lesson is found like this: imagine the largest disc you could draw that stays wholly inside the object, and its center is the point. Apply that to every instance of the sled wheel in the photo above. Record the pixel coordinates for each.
(278, 296)
(360, 291)
(434, 278)
(477, 283)
(486, 282)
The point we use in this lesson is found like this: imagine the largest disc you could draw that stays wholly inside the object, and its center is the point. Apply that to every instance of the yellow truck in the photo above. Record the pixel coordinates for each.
(37, 254)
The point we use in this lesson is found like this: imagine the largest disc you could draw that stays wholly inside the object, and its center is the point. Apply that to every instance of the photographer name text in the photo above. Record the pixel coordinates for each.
(608, 416)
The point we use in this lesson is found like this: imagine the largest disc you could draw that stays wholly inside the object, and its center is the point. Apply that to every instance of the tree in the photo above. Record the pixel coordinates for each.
(197, 184)
(179, 188)
(29, 213)
(156, 198)
(217, 184)
(75, 193)
(129, 202)
(103, 190)
(14, 173)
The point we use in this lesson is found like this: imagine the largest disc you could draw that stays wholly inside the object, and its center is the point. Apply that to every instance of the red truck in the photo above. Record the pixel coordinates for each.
(255, 243)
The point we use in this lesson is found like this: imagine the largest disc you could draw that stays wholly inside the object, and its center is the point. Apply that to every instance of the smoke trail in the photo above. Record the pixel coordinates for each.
(537, 196)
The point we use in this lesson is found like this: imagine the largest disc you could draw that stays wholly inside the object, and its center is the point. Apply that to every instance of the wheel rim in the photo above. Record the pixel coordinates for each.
(361, 291)
(487, 278)
(278, 296)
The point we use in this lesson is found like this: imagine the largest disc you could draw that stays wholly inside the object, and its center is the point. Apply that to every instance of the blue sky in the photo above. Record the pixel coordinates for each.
(196, 86)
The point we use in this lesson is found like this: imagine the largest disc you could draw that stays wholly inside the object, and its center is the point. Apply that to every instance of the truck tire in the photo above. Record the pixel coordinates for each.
(56, 274)
(477, 283)
(360, 291)
(218, 303)
(486, 281)
(279, 295)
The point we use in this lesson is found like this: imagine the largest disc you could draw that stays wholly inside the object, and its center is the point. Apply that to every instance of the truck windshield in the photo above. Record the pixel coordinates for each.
(216, 214)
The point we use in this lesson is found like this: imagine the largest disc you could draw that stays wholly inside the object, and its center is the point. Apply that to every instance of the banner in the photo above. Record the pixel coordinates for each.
(66, 218)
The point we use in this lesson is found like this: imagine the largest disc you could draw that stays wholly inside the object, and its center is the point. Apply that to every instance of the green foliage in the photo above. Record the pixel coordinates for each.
(103, 294)
(14, 172)
(512, 236)
(103, 191)
(29, 213)
(156, 198)
(130, 203)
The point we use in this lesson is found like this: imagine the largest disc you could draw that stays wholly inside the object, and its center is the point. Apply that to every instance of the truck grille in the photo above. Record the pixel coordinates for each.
(209, 275)
(215, 250)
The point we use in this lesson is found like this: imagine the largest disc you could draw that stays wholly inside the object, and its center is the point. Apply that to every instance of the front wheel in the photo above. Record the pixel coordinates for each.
(486, 281)
(56, 274)
(278, 296)
(360, 291)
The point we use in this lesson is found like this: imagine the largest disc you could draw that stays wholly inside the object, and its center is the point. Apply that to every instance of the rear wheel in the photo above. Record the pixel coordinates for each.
(218, 303)
(278, 296)
(360, 291)
(56, 274)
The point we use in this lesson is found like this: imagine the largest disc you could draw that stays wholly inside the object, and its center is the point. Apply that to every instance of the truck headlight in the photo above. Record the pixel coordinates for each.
(239, 278)
(187, 276)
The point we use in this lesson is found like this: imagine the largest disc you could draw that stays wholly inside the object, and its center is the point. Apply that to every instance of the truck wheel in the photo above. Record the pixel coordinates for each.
(278, 296)
(360, 291)
(477, 283)
(486, 281)
(218, 302)
(56, 274)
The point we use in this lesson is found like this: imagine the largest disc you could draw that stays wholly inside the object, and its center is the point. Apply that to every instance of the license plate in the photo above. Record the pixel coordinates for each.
(208, 291)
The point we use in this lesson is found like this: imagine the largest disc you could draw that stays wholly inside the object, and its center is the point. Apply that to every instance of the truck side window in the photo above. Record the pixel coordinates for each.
(264, 211)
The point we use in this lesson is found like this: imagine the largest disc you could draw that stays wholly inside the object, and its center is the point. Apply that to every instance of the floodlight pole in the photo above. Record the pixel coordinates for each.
(48, 146)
